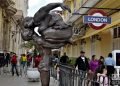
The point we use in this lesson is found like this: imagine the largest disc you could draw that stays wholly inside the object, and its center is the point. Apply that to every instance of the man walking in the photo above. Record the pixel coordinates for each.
(64, 59)
(6, 58)
(83, 66)
(14, 64)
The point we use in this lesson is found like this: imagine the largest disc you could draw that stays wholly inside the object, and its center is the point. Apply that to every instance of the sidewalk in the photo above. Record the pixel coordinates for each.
(53, 82)
(8, 80)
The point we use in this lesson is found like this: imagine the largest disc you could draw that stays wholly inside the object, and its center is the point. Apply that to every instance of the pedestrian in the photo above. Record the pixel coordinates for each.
(93, 66)
(101, 60)
(14, 64)
(2, 59)
(110, 63)
(64, 59)
(23, 60)
(6, 58)
(56, 61)
(101, 77)
(37, 60)
(29, 59)
(83, 66)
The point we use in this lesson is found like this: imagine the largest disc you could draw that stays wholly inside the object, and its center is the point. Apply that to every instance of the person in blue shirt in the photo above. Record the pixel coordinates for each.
(110, 63)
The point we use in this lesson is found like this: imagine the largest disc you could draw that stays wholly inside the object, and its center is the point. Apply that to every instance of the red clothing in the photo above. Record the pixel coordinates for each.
(37, 61)
(14, 59)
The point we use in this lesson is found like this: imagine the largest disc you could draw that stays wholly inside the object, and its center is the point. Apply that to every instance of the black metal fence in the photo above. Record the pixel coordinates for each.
(68, 76)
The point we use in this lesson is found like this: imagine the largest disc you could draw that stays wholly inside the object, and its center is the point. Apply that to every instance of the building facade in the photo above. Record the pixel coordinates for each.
(11, 14)
(93, 42)
(16, 40)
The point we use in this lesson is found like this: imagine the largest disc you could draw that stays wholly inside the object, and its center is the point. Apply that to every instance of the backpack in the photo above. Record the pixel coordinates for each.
(14, 60)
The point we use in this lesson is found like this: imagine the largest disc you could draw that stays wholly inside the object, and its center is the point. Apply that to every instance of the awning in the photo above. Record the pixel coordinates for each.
(88, 3)
(98, 31)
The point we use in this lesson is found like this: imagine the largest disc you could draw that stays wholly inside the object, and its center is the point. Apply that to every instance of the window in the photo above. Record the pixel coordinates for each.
(116, 38)
(116, 32)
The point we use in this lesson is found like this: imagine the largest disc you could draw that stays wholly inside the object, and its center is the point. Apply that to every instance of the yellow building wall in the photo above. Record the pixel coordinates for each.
(74, 50)
(78, 48)
(78, 4)
(72, 6)
(88, 48)
(103, 47)
(106, 43)
(98, 48)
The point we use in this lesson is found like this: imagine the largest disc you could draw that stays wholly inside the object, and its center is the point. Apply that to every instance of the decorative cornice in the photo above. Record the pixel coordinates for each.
(10, 11)
(6, 3)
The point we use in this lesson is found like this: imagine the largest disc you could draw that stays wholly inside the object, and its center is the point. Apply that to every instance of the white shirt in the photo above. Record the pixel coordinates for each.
(83, 58)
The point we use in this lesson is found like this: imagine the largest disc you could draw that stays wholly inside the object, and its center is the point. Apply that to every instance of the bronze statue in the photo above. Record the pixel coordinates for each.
(48, 30)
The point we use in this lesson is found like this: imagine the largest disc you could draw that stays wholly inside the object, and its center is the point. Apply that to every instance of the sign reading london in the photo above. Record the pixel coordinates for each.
(97, 19)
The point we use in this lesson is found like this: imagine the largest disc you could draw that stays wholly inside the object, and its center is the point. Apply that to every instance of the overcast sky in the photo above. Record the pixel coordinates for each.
(34, 5)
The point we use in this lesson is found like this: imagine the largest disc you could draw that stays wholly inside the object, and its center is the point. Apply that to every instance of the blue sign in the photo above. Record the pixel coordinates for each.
(97, 19)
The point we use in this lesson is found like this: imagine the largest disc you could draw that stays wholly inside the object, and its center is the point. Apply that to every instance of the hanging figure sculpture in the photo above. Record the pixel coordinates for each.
(48, 30)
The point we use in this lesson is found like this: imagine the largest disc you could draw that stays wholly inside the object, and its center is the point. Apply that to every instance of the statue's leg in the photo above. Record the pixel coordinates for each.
(44, 67)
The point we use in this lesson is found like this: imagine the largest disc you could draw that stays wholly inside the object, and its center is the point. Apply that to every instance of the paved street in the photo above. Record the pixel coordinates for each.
(8, 80)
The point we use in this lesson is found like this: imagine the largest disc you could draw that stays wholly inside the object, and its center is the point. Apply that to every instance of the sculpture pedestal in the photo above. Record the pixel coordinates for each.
(44, 67)
(45, 77)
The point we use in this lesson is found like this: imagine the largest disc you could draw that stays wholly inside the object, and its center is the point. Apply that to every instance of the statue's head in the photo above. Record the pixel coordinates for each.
(28, 22)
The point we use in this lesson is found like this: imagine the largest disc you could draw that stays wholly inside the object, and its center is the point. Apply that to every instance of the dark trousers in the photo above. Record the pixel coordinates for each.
(14, 66)
(110, 70)
(6, 62)
(81, 78)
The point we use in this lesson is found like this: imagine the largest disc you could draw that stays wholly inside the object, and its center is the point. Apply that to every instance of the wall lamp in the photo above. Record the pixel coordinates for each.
(83, 41)
(98, 37)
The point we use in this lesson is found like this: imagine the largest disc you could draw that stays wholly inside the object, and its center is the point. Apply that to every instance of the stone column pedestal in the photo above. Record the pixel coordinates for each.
(44, 67)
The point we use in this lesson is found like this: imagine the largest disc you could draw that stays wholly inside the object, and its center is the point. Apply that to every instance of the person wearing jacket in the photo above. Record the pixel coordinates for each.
(110, 63)
(6, 58)
(82, 62)
(14, 64)
(37, 60)
(23, 60)
(93, 64)
(83, 66)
